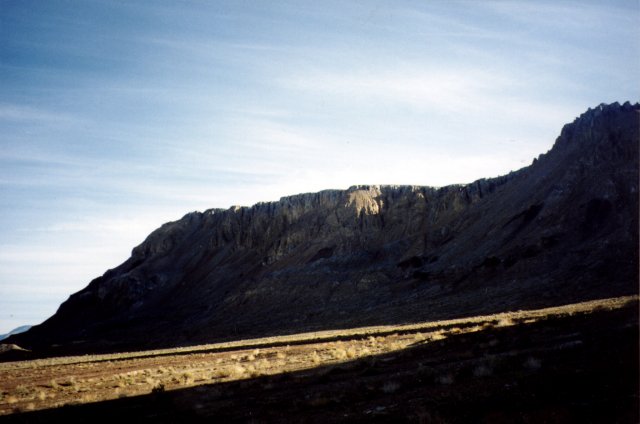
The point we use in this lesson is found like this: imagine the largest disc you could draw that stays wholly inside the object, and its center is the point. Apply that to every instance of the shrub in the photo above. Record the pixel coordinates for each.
(351, 352)
(187, 377)
(437, 336)
(237, 371)
(390, 387)
(532, 363)
(395, 345)
(339, 353)
(159, 388)
(445, 379)
(220, 373)
(505, 322)
(482, 370)
(22, 390)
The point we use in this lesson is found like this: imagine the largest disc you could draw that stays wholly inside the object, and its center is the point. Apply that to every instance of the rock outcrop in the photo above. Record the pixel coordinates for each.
(563, 229)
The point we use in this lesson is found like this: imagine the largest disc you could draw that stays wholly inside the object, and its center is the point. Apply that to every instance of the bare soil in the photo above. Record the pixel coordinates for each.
(577, 363)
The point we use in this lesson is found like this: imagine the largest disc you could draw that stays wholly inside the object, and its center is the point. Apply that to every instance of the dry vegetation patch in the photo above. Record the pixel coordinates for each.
(53, 382)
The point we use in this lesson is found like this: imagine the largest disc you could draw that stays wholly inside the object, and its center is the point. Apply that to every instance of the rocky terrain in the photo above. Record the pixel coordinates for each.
(562, 230)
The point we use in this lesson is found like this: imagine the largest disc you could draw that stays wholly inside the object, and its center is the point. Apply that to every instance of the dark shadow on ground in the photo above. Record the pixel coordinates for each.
(581, 368)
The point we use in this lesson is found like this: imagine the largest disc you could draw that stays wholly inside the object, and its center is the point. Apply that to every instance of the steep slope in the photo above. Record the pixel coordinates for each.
(561, 230)
(17, 330)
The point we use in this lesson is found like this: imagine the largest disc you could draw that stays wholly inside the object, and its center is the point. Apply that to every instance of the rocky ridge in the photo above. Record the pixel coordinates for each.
(563, 229)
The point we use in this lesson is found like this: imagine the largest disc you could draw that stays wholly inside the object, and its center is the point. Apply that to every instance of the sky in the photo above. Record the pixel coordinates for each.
(118, 116)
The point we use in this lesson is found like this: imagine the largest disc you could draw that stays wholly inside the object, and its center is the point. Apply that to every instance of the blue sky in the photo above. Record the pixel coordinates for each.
(118, 116)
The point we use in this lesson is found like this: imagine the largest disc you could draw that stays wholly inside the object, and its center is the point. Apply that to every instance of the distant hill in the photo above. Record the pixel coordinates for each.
(18, 330)
(562, 230)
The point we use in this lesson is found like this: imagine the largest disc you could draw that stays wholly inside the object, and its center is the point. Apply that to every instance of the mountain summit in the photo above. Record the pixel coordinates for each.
(564, 229)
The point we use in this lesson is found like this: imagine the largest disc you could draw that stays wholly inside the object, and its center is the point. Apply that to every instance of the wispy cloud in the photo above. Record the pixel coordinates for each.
(572, 17)
(29, 115)
(472, 93)
(120, 116)
(440, 89)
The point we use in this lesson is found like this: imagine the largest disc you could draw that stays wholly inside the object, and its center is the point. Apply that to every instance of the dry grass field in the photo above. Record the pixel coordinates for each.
(554, 364)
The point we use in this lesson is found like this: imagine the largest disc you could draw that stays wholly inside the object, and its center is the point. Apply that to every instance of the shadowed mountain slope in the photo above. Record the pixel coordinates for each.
(561, 230)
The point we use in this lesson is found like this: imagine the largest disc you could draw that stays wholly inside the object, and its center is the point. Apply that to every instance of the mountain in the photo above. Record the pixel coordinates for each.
(18, 330)
(562, 230)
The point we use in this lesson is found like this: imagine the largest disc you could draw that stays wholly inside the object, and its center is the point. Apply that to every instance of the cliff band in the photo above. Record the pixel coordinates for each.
(561, 230)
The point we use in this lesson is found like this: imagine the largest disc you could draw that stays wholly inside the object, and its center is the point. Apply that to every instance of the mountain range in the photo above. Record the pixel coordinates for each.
(16, 330)
(563, 229)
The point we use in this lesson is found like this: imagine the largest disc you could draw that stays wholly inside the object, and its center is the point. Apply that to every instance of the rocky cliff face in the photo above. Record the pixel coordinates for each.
(561, 230)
